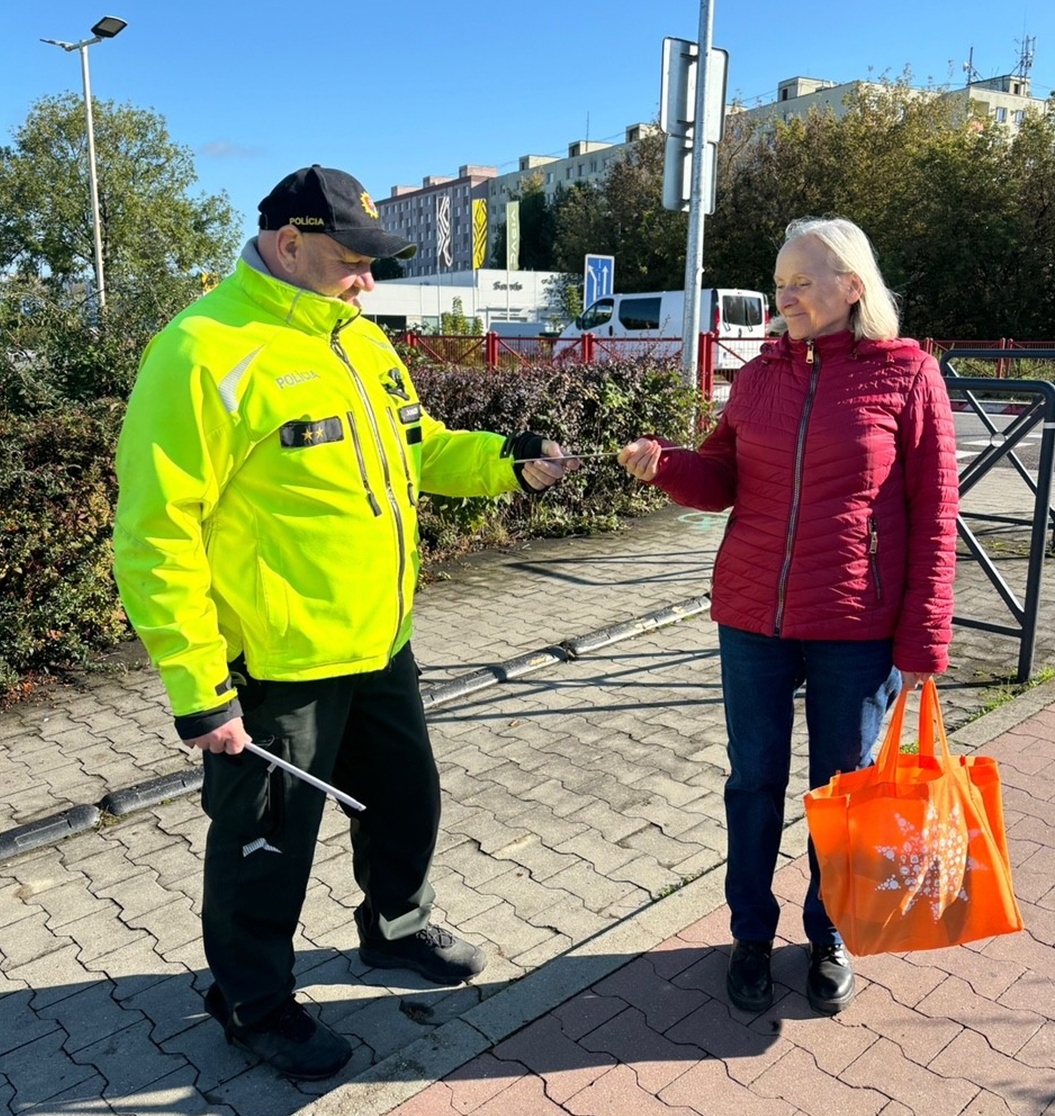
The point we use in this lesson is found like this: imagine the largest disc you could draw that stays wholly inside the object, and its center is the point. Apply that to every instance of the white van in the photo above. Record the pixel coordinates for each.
(650, 323)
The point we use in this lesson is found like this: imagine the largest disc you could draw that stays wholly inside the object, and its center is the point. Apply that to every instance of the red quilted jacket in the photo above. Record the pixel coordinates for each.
(839, 460)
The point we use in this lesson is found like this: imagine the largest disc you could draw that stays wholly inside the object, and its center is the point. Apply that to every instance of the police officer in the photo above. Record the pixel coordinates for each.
(266, 552)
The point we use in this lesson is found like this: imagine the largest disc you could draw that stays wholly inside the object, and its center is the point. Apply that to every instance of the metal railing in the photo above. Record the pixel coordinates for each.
(1037, 401)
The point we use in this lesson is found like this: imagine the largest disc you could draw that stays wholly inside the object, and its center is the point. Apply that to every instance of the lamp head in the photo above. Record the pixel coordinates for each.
(109, 26)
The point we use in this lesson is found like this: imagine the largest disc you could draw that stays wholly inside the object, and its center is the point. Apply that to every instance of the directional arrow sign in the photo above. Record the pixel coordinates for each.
(598, 279)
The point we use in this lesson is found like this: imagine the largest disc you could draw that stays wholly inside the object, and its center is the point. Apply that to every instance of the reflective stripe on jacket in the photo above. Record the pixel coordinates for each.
(269, 469)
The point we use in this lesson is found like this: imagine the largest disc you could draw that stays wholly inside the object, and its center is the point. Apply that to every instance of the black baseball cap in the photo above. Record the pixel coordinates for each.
(323, 200)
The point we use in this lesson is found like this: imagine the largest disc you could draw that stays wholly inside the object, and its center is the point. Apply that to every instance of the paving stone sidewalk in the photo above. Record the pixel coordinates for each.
(580, 794)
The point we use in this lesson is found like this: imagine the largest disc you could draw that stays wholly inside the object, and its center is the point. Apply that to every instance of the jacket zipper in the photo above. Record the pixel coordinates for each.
(335, 344)
(403, 456)
(397, 517)
(796, 489)
(873, 550)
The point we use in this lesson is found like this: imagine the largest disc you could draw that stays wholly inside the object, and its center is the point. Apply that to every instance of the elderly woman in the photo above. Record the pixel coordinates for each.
(836, 455)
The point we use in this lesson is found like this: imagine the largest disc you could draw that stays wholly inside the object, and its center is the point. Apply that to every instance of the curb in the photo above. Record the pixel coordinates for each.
(153, 792)
(47, 831)
(407, 1072)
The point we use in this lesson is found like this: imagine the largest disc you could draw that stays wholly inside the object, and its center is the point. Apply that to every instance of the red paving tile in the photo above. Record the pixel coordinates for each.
(907, 982)
(707, 1089)
(526, 1097)
(584, 1012)
(618, 1093)
(797, 1079)
(1025, 1090)
(885, 1069)
(918, 1036)
(747, 1052)
(565, 1066)
(968, 1031)
(480, 1080)
(639, 984)
(656, 1059)
(1007, 1031)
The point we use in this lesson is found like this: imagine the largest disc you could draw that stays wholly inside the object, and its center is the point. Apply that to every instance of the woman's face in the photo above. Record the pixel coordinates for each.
(812, 297)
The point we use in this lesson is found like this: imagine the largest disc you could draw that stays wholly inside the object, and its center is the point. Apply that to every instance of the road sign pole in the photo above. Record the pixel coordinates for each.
(694, 253)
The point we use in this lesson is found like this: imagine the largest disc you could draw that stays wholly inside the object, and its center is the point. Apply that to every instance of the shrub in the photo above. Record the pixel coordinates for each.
(585, 408)
(58, 601)
(62, 382)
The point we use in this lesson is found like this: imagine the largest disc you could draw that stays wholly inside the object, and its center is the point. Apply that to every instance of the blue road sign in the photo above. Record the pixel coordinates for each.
(598, 279)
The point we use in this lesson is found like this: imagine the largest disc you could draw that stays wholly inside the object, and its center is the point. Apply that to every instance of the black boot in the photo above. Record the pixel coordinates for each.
(830, 984)
(748, 982)
(289, 1039)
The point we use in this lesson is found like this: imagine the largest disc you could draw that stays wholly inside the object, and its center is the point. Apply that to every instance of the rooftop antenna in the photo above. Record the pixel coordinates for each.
(970, 71)
(1025, 56)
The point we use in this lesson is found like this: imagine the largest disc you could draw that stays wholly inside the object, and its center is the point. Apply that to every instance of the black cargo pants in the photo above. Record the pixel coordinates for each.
(365, 734)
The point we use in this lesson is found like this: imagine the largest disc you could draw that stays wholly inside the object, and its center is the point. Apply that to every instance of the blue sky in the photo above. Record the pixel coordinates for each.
(396, 91)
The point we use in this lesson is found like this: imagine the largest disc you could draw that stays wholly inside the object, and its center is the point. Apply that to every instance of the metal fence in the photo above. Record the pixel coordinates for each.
(1034, 407)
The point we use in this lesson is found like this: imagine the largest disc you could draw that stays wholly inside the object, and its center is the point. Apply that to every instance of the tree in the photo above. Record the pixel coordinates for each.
(960, 210)
(150, 225)
(623, 216)
(454, 323)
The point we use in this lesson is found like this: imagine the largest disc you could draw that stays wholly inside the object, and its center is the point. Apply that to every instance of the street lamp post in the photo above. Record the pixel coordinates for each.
(106, 28)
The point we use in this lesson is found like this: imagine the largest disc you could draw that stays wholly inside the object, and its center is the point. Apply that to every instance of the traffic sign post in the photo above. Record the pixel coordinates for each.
(598, 279)
(692, 113)
(677, 118)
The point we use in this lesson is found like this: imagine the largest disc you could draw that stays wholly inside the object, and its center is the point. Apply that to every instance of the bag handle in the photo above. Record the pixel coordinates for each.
(929, 718)
(886, 761)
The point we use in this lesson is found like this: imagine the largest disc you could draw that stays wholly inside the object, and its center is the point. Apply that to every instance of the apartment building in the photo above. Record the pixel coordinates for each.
(440, 216)
(1006, 99)
(455, 219)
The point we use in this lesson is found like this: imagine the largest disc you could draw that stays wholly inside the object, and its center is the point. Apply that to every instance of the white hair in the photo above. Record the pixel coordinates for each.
(875, 314)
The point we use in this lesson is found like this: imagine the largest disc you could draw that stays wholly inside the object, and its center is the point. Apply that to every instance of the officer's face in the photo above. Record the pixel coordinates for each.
(328, 268)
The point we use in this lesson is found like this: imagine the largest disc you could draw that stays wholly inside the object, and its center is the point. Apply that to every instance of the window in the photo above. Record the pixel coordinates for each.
(639, 313)
(599, 313)
(1020, 115)
(741, 310)
(1001, 115)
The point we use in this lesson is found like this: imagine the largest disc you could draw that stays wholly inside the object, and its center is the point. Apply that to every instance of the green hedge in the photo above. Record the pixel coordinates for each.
(58, 601)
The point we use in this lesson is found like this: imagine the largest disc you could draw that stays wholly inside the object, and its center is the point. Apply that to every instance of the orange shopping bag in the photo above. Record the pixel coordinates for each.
(912, 851)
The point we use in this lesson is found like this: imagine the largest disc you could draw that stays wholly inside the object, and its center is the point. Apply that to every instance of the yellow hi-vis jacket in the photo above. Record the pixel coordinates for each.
(269, 469)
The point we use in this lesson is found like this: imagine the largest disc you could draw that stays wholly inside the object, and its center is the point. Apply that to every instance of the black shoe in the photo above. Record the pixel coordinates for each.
(830, 984)
(288, 1039)
(434, 953)
(748, 981)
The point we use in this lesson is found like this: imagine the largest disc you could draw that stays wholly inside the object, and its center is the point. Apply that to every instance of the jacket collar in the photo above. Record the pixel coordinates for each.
(839, 345)
(303, 310)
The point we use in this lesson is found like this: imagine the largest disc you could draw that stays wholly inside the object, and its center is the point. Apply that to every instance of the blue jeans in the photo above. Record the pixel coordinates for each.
(850, 685)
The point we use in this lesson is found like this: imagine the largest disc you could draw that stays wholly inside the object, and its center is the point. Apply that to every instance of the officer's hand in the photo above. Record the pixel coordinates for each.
(641, 459)
(541, 474)
(230, 737)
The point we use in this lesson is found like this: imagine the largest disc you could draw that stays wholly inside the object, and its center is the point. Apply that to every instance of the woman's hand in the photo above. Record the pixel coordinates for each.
(910, 679)
(641, 459)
